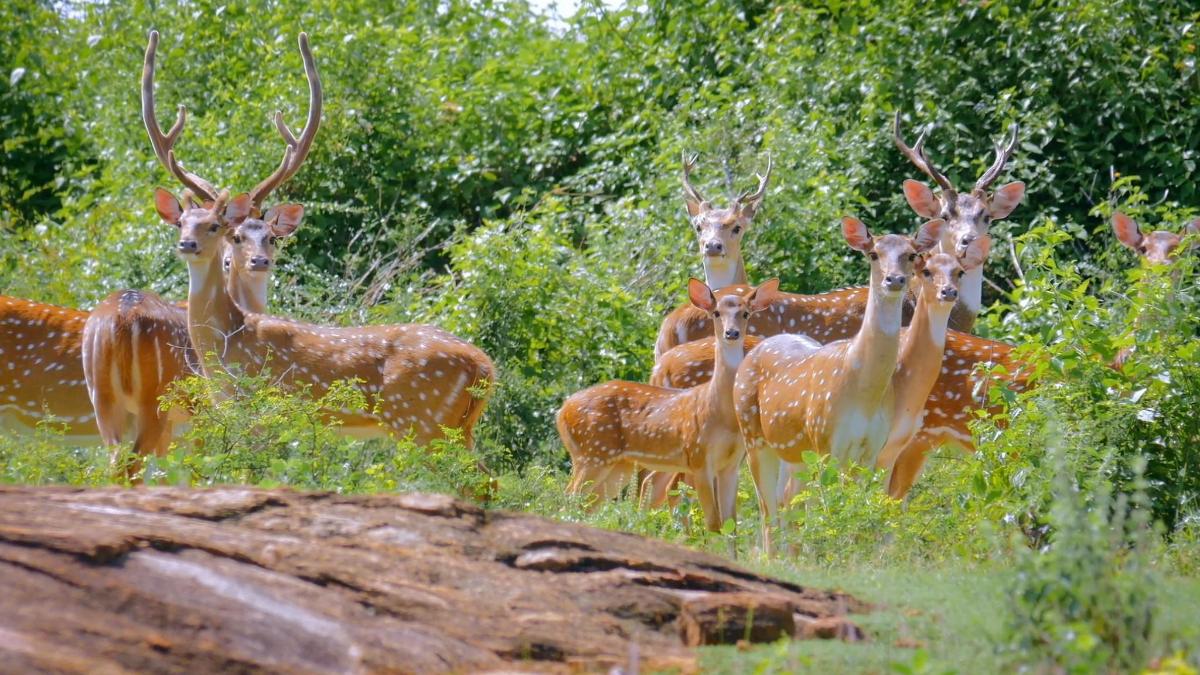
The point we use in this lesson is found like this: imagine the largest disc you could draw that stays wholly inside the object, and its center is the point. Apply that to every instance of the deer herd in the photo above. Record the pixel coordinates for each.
(877, 375)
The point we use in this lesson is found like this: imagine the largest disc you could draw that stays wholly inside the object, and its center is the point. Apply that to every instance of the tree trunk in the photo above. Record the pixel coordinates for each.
(243, 580)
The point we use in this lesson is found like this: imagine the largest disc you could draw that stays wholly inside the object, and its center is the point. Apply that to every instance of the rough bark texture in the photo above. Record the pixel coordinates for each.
(241, 580)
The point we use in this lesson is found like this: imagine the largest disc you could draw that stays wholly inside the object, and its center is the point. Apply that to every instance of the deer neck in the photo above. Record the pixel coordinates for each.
(873, 350)
(213, 317)
(971, 291)
(248, 291)
(723, 271)
(728, 356)
(920, 359)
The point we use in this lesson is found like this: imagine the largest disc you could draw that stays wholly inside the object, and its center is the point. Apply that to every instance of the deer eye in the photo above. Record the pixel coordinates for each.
(272, 239)
(737, 229)
(745, 315)
(926, 273)
(961, 273)
(1142, 249)
(873, 255)
(237, 238)
(912, 257)
(717, 314)
(698, 228)
(214, 227)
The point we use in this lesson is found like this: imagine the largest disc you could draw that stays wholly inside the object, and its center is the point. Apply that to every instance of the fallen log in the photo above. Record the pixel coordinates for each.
(244, 580)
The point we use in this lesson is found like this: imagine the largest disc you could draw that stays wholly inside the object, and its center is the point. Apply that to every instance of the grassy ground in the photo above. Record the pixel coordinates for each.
(927, 620)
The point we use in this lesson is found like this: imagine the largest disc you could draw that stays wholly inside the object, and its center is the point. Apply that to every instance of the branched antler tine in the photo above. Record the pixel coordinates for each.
(163, 144)
(297, 148)
(761, 190)
(273, 181)
(689, 163)
(916, 155)
(1003, 154)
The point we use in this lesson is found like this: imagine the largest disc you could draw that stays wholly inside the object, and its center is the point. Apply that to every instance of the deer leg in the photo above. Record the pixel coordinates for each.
(764, 468)
(908, 466)
(656, 488)
(705, 491)
(727, 480)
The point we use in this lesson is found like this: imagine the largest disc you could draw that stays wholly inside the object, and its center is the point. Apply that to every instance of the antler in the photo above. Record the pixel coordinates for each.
(1003, 154)
(164, 143)
(297, 149)
(761, 192)
(916, 155)
(689, 163)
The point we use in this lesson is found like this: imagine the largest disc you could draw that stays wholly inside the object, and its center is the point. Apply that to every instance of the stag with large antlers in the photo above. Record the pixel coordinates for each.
(135, 344)
(967, 215)
(417, 379)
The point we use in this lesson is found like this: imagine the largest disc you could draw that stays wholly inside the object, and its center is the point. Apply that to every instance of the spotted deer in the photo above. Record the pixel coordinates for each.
(838, 399)
(967, 215)
(135, 343)
(719, 232)
(41, 373)
(1158, 247)
(417, 379)
(609, 428)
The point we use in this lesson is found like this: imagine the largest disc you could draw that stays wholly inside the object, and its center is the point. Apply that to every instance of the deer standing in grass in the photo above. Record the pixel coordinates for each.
(135, 343)
(838, 399)
(610, 427)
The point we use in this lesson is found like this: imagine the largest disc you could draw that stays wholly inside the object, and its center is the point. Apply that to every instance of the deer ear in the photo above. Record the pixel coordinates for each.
(928, 236)
(238, 210)
(167, 206)
(285, 218)
(1127, 230)
(977, 253)
(764, 295)
(1192, 227)
(1005, 199)
(695, 208)
(701, 295)
(922, 199)
(856, 234)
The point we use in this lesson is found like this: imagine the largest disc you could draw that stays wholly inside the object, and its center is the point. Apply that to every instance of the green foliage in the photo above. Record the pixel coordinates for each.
(1087, 603)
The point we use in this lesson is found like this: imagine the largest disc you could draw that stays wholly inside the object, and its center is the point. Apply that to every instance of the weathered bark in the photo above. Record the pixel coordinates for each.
(241, 580)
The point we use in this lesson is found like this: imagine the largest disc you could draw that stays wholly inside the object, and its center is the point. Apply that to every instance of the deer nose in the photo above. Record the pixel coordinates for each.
(260, 262)
(713, 247)
(895, 281)
(948, 293)
(732, 334)
(189, 246)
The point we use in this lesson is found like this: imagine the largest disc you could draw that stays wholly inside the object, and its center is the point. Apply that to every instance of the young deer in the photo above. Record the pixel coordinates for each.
(610, 427)
(40, 368)
(967, 215)
(135, 343)
(838, 399)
